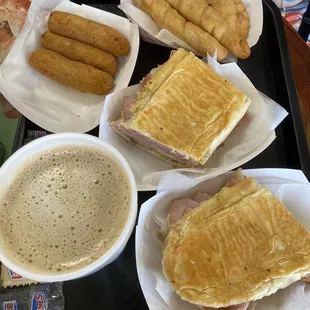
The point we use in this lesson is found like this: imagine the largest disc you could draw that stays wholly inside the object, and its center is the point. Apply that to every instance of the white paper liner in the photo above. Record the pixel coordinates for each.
(290, 186)
(253, 134)
(150, 32)
(50, 105)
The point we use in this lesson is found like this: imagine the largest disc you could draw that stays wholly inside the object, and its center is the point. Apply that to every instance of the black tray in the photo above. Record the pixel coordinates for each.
(116, 287)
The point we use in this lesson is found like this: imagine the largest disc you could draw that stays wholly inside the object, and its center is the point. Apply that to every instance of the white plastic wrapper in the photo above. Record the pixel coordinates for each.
(47, 103)
(150, 32)
(290, 186)
(251, 136)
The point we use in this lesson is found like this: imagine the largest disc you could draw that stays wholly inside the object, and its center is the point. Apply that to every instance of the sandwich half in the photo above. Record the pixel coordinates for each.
(183, 112)
(235, 247)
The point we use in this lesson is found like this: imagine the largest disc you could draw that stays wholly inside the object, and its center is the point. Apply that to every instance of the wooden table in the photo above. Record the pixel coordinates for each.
(300, 59)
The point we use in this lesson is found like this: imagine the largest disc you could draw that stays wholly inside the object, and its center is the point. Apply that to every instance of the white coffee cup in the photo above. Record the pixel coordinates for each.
(11, 167)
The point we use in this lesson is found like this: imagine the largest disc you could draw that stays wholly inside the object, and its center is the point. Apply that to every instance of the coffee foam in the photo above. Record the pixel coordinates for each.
(64, 209)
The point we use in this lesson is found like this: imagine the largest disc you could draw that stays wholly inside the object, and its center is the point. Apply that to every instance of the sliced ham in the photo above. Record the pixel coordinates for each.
(202, 197)
(306, 279)
(180, 207)
(242, 306)
(161, 148)
(145, 80)
(232, 182)
(184, 205)
(128, 102)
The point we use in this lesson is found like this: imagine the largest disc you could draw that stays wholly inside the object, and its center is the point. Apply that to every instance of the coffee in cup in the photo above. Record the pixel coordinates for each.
(64, 208)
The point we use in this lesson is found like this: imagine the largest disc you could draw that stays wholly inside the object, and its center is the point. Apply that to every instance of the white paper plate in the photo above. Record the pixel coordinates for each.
(290, 186)
(252, 135)
(150, 32)
(50, 105)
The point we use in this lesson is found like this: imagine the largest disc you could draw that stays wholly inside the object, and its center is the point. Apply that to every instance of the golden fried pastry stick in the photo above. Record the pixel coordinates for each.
(79, 51)
(205, 17)
(168, 18)
(88, 32)
(74, 74)
(235, 14)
